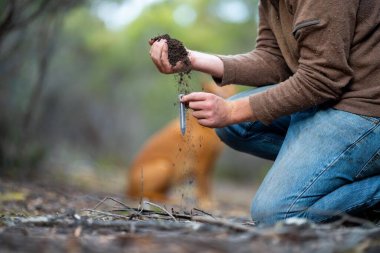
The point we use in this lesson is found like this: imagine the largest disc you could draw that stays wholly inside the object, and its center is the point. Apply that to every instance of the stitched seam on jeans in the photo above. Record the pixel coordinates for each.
(374, 120)
(329, 166)
(348, 209)
(370, 160)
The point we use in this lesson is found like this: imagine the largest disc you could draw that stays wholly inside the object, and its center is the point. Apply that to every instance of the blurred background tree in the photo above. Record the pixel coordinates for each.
(79, 94)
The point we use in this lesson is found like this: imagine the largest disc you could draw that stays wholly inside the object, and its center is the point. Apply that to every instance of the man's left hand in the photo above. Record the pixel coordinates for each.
(209, 109)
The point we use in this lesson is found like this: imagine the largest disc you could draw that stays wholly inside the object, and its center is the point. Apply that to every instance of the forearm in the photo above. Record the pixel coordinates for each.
(206, 63)
(256, 68)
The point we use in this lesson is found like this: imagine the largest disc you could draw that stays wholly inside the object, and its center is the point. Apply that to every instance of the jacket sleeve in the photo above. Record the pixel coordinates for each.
(264, 65)
(324, 31)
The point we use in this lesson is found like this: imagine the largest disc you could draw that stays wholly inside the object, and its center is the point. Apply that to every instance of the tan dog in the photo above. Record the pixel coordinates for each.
(168, 158)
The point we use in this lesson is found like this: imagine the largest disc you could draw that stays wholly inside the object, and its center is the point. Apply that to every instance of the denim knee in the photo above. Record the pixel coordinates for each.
(225, 136)
(262, 212)
(266, 210)
(233, 137)
(264, 145)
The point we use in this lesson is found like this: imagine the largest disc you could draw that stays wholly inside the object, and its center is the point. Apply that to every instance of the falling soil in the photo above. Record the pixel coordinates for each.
(178, 53)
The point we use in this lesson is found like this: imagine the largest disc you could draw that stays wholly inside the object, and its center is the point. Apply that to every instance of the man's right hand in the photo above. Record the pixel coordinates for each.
(159, 54)
(203, 62)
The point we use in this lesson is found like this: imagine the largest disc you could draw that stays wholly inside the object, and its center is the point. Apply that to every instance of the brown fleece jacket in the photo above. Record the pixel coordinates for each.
(318, 51)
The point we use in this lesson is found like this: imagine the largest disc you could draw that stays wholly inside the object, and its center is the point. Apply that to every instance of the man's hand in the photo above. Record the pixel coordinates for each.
(215, 112)
(159, 54)
(209, 109)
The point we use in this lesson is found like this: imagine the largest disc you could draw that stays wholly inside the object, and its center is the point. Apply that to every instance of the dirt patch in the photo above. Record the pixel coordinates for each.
(45, 218)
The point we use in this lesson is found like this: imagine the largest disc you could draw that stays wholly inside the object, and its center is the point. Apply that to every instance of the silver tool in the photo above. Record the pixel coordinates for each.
(182, 115)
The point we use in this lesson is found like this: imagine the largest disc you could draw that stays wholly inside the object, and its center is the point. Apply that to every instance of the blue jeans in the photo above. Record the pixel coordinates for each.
(326, 163)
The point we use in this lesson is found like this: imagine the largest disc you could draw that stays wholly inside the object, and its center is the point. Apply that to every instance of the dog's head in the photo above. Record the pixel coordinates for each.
(224, 91)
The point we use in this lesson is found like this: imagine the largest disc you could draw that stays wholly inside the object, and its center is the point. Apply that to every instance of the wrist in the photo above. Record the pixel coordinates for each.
(240, 111)
(206, 63)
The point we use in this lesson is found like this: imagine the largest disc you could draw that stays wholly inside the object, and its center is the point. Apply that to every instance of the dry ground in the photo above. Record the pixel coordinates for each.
(50, 218)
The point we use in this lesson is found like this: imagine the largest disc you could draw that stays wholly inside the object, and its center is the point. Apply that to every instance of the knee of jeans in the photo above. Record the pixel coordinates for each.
(226, 136)
(266, 212)
(261, 212)
(220, 132)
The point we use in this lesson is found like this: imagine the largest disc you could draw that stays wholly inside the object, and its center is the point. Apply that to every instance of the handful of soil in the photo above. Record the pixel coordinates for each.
(178, 53)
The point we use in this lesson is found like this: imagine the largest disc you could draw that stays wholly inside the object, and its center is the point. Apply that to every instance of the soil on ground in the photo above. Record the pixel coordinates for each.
(51, 218)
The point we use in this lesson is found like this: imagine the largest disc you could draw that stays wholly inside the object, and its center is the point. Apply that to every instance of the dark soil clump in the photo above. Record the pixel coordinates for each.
(178, 53)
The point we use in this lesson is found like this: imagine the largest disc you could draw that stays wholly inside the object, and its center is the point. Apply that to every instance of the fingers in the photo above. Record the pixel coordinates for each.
(201, 114)
(202, 104)
(166, 66)
(195, 96)
(156, 52)
(199, 105)
(159, 54)
(199, 101)
(206, 123)
(209, 109)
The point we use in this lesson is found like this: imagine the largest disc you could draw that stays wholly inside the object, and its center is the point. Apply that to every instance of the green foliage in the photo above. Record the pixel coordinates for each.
(119, 60)
(104, 97)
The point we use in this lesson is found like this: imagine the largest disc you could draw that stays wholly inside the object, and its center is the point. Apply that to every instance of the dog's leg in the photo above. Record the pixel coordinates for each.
(150, 180)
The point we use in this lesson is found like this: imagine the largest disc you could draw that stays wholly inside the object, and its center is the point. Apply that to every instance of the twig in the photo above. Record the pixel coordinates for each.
(201, 211)
(160, 207)
(144, 212)
(142, 187)
(113, 199)
(223, 223)
(106, 213)
(352, 219)
(344, 217)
